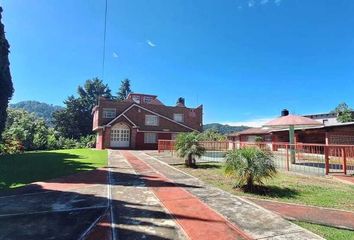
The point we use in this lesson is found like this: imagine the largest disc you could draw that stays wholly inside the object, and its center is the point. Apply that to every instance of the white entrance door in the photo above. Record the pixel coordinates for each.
(120, 135)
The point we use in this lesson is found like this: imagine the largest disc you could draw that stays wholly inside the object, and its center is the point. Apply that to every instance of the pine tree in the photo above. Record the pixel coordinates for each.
(5, 77)
(124, 90)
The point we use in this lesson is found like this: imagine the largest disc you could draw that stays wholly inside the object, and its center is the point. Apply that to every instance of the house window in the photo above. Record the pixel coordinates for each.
(136, 99)
(109, 112)
(178, 117)
(147, 99)
(173, 136)
(151, 120)
(150, 138)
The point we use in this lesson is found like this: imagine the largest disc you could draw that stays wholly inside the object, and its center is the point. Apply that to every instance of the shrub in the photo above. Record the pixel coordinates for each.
(249, 165)
(188, 147)
(11, 147)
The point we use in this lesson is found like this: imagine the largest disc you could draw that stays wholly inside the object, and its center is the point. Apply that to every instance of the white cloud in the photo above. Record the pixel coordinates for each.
(151, 44)
(258, 122)
(264, 2)
(250, 3)
(277, 2)
(115, 55)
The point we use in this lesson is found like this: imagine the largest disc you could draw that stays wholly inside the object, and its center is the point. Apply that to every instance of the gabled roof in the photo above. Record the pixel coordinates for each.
(150, 111)
(251, 131)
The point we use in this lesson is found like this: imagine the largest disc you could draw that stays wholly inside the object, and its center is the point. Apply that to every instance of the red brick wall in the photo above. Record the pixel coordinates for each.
(107, 137)
(149, 146)
(99, 140)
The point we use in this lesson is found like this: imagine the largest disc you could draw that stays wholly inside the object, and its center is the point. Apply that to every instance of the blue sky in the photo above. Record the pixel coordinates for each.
(245, 60)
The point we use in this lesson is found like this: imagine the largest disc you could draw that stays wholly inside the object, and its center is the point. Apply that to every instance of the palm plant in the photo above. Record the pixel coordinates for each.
(249, 165)
(188, 147)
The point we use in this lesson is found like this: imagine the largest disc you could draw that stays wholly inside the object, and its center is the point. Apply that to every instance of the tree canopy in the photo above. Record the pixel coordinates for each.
(5, 76)
(344, 113)
(75, 120)
(124, 90)
(40, 109)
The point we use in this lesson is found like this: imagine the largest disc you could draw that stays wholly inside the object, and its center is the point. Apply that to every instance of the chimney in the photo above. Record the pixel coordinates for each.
(180, 102)
(284, 112)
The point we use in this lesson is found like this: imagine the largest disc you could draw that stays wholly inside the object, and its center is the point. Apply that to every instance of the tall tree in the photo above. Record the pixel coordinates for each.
(75, 120)
(92, 90)
(5, 76)
(344, 113)
(124, 90)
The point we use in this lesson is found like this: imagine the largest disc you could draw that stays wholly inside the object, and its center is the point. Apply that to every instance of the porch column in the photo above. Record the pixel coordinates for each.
(133, 138)
(327, 138)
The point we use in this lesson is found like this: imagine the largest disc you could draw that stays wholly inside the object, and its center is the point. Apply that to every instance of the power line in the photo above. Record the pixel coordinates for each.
(104, 40)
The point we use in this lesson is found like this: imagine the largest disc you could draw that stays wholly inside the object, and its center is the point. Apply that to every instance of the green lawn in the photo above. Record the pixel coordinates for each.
(329, 233)
(285, 187)
(20, 169)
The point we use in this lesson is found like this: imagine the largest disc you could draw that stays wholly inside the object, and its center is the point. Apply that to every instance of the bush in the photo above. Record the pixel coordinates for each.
(188, 147)
(211, 135)
(11, 147)
(249, 165)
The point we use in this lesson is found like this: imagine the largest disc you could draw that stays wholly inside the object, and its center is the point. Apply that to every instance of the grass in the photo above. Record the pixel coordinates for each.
(20, 169)
(285, 187)
(329, 233)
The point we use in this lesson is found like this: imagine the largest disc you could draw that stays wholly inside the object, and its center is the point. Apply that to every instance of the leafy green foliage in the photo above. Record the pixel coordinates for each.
(40, 109)
(75, 120)
(25, 132)
(25, 128)
(188, 147)
(344, 113)
(224, 129)
(124, 90)
(249, 165)
(6, 87)
(211, 135)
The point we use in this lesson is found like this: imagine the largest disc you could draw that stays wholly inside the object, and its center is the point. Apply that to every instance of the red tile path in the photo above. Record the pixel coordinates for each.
(197, 219)
(325, 216)
(347, 179)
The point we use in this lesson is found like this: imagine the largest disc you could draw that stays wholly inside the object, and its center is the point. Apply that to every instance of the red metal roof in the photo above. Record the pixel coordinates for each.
(250, 131)
(292, 120)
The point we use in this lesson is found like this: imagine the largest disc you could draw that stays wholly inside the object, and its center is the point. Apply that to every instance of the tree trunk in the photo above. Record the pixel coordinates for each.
(249, 185)
(190, 162)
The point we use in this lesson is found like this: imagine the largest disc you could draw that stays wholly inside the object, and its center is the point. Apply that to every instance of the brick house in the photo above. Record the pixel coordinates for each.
(141, 120)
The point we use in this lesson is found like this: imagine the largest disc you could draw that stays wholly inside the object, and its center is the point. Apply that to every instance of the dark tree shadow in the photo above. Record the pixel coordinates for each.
(272, 191)
(38, 166)
(27, 212)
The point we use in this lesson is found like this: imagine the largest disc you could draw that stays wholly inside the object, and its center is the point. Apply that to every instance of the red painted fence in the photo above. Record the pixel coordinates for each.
(311, 158)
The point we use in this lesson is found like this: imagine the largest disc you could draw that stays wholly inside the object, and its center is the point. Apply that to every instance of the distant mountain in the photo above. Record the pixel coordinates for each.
(224, 128)
(41, 109)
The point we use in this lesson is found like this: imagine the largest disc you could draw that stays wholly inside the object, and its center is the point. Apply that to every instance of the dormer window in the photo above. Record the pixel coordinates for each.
(136, 99)
(178, 117)
(109, 112)
(148, 99)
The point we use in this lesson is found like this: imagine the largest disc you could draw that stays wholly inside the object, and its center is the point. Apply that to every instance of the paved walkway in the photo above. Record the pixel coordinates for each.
(63, 208)
(245, 216)
(135, 197)
(324, 216)
(349, 179)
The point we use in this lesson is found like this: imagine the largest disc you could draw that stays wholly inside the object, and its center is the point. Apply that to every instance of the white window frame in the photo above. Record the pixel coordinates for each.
(136, 98)
(173, 136)
(109, 113)
(149, 120)
(148, 99)
(178, 114)
(150, 137)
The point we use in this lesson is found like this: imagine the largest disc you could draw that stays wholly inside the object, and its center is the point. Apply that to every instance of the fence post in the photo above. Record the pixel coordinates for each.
(158, 146)
(344, 161)
(287, 158)
(326, 152)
